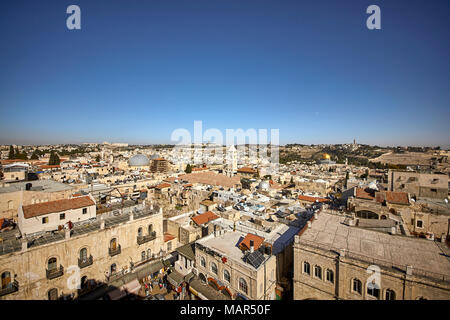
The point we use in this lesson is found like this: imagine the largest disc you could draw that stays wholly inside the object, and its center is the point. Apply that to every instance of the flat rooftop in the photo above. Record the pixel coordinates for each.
(328, 231)
(227, 244)
(37, 185)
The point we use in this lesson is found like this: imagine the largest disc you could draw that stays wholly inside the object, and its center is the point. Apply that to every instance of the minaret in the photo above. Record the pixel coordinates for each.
(231, 161)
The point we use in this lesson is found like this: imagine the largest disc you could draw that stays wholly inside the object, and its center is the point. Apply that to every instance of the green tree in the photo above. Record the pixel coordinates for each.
(34, 156)
(11, 153)
(54, 159)
(97, 158)
(188, 168)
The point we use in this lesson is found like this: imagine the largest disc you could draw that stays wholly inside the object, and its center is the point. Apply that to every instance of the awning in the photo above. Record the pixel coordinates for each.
(150, 269)
(175, 278)
(132, 287)
(116, 294)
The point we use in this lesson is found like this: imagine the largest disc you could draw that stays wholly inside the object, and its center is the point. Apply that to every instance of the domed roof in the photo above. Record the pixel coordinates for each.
(138, 160)
(155, 156)
(326, 156)
(264, 185)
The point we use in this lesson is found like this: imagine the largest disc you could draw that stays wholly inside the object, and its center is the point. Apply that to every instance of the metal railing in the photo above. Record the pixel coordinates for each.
(83, 263)
(11, 288)
(147, 238)
(115, 251)
(55, 273)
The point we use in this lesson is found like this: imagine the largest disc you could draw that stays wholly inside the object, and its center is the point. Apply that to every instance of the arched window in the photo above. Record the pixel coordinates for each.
(140, 232)
(83, 254)
(150, 229)
(373, 290)
(149, 253)
(330, 275)
(84, 282)
(390, 294)
(306, 268)
(214, 268)
(203, 262)
(113, 244)
(52, 264)
(226, 276)
(318, 272)
(243, 285)
(356, 286)
(53, 294)
(6, 280)
(113, 268)
(143, 255)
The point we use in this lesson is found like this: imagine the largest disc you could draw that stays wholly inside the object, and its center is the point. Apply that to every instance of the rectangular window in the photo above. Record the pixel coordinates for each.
(44, 220)
(62, 216)
(419, 224)
(84, 210)
(433, 190)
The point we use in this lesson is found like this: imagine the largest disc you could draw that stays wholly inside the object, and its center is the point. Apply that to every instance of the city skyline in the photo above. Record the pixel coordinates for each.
(136, 73)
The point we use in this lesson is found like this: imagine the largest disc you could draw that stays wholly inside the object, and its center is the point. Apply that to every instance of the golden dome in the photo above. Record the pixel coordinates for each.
(326, 156)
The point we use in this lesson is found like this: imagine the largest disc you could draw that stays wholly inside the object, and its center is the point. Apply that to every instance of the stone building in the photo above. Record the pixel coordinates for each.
(336, 261)
(74, 261)
(239, 272)
(425, 185)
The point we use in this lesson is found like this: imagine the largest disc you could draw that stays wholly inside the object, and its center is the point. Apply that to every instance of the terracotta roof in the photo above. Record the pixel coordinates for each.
(312, 199)
(38, 209)
(168, 237)
(204, 217)
(363, 194)
(160, 159)
(163, 185)
(247, 170)
(55, 166)
(397, 197)
(211, 178)
(257, 241)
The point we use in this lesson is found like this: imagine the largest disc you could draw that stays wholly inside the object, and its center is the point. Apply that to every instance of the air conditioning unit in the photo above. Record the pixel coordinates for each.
(195, 271)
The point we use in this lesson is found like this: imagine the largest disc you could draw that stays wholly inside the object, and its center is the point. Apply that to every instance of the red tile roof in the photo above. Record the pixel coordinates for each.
(397, 197)
(204, 217)
(363, 194)
(312, 199)
(168, 237)
(247, 170)
(38, 209)
(257, 241)
(163, 185)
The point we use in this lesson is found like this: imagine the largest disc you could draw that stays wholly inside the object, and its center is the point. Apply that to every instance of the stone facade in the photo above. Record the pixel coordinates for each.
(28, 266)
(346, 269)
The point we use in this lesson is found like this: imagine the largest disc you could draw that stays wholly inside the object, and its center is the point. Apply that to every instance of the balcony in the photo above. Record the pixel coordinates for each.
(114, 252)
(83, 263)
(13, 287)
(147, 238)
(55, 273)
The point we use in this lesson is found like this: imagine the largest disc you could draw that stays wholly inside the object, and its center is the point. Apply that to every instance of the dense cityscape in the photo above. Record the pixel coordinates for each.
(142, 223)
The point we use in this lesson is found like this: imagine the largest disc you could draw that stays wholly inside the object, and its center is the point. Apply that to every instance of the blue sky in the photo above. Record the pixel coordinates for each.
(139, 69)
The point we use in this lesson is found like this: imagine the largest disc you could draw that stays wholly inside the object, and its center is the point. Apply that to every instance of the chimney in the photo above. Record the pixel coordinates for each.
(160, 210)
(409, 270)
(67, 233)
(102, 223)
(131, 216)
(24, 245)
(252, 246)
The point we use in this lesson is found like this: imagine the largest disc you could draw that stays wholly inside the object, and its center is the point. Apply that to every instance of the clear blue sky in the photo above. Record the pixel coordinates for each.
(138, 69)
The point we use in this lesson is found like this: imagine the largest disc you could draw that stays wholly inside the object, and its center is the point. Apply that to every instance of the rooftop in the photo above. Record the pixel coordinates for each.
(37, 185)
(38, 209)
(328, 231)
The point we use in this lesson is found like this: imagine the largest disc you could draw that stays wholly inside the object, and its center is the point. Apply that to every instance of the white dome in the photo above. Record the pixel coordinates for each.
(138, 160)
(264, 185)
